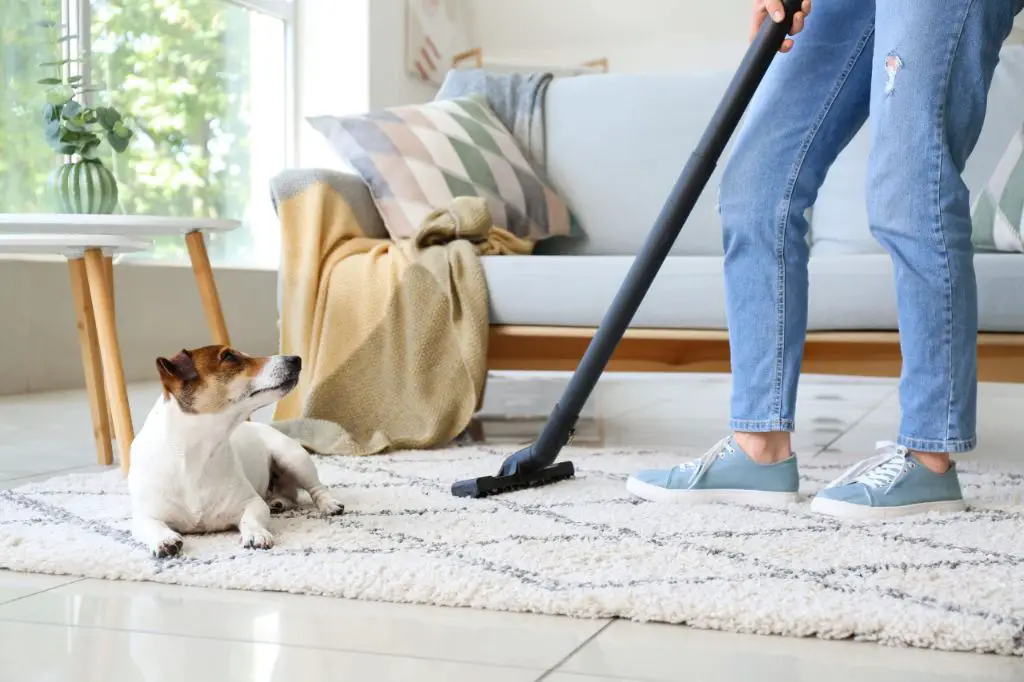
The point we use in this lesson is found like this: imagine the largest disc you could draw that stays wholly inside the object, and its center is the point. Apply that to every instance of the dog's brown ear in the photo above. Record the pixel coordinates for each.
(180, 368)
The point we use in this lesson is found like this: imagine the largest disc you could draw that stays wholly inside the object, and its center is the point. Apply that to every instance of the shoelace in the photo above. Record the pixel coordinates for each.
(880, 471)
(701, 464)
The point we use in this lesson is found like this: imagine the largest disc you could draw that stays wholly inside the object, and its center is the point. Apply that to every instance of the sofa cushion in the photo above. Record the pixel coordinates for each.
(688, 292)
(416, 159)
(617, 143)
(998, 210)
(840, 224)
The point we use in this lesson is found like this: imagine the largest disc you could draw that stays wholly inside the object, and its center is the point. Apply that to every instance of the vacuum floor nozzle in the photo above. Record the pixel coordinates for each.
(492, 485)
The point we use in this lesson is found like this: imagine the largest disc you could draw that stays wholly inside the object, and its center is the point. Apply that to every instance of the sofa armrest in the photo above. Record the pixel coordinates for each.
(350, 186)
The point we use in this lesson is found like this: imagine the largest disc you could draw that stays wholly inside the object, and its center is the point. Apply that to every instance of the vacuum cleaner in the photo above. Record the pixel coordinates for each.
(532, 466)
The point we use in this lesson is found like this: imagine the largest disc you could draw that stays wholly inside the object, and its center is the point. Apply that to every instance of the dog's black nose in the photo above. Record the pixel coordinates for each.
(294, 362)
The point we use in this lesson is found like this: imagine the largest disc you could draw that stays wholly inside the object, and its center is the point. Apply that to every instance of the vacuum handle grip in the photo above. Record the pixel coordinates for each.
(759, 55)
(776, 32)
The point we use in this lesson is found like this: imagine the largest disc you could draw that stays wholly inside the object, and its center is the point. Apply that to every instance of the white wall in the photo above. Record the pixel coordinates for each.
(158, 312)
(350, 59)
(332, 63)
(390, 85)
(635, 35)
(351, 53)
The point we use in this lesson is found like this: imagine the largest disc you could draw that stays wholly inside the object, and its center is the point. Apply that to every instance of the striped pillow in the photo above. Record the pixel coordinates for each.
(416, 159)
(998, 211)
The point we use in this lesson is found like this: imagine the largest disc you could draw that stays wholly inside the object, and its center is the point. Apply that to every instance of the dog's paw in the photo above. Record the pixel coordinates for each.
(279, 505)
(168, 547)
(328, 506)
(258, 538)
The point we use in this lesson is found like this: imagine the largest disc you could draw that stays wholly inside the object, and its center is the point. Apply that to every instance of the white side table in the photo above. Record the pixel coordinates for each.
(142, 227)
(90, 262)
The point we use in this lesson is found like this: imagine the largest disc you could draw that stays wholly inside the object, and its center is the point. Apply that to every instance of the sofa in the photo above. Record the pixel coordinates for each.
(615, 145)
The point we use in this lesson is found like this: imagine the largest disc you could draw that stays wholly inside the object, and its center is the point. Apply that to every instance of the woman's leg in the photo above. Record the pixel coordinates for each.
(811, 103)
(933, 64)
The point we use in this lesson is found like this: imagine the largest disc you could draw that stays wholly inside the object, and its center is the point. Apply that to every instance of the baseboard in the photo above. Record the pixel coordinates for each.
(158, 312)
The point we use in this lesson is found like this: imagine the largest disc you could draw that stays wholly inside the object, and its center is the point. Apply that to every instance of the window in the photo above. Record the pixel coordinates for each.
(25, 158)
(205, 85)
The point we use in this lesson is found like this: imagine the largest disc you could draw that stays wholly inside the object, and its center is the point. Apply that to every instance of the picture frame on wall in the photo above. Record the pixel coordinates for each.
(437, 35)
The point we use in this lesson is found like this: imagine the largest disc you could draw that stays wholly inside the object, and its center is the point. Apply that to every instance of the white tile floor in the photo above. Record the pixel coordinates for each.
(54, 628)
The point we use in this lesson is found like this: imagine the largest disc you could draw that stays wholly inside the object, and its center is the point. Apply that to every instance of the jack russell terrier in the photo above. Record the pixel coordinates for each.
(199, 467)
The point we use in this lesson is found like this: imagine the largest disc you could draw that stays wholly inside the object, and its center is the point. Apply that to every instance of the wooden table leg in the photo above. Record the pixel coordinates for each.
(110, 350)
(89, 344)
(108, 264)
(207, 287)
(108, 267)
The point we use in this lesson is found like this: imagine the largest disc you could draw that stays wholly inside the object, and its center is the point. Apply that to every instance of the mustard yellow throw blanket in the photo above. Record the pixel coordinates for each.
(393, 336)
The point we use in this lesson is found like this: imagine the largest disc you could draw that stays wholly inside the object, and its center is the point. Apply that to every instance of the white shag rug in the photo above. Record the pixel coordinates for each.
(581, 548)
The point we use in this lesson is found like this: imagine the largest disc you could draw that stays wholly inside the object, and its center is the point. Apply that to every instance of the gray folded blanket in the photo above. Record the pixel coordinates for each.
(517, 99)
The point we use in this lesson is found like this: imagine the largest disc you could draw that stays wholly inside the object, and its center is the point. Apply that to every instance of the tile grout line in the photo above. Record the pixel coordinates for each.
(254, 642)
(575, 650)
(22, 479)
(852, 426)
(874, 406)
(8, 602)
(606, 678)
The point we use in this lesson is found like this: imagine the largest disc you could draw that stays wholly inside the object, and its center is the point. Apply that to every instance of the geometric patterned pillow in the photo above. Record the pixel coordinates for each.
(416, 159)
(998, 211)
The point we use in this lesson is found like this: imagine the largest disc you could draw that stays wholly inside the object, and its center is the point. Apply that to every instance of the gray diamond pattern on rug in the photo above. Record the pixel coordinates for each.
(582, 548)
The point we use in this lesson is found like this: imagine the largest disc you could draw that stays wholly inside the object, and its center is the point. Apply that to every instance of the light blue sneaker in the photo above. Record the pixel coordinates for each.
(724, 474)
(892, 483)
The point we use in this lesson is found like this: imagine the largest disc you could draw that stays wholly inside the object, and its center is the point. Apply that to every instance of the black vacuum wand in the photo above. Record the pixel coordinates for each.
(532, 465)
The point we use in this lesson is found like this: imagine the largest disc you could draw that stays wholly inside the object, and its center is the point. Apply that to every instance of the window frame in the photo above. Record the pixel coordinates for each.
(77, 14)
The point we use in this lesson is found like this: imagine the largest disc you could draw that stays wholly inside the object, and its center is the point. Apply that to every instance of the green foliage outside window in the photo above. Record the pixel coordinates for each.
(179, 71)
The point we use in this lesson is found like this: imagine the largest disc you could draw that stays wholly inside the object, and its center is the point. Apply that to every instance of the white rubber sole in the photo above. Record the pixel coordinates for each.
(848, 510)
(655, 493)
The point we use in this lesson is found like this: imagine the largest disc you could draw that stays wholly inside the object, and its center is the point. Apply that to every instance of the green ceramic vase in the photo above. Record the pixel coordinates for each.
(85, 186)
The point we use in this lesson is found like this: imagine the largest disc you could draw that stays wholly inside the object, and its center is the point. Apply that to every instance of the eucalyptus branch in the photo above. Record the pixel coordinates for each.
(71, 128)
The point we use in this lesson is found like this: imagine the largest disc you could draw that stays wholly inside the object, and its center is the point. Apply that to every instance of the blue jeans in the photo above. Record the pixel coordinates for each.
(922, 68)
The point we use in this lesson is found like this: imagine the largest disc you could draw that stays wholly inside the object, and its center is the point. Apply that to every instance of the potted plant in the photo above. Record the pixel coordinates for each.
(82, 184)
